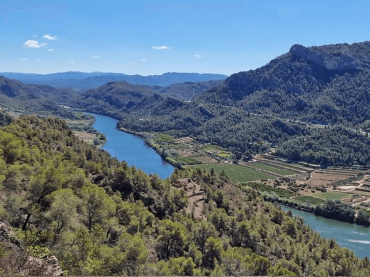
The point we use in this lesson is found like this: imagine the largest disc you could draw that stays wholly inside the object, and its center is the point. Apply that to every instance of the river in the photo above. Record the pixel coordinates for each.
(131, 148)
(136, 152)
(351, 236)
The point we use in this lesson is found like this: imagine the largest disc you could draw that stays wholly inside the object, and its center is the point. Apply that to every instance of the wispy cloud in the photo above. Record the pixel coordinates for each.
(198, 56)
(34, 44)
(23, 59)
(37, 60)
(143, 60)
(72, 62)
(49, 37)
(50, 50)
(95, 57)
(164, 47)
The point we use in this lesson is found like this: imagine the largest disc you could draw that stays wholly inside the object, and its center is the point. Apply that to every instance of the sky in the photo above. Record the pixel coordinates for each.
(153, 37)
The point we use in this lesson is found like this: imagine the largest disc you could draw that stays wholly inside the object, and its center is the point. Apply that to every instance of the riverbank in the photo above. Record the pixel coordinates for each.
(131, 148)
(351, 236)
(157, 149)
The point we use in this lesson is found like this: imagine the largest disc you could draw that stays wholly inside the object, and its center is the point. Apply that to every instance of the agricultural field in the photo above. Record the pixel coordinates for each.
(331, 195)
(271, 169)
(163, 138)
(236, 172)
(265, 188)
(363, 193)
(186, 160)
(308, 199)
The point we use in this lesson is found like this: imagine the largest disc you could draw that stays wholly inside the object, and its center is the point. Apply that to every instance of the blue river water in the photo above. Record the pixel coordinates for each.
(351, 236)
(131, 148)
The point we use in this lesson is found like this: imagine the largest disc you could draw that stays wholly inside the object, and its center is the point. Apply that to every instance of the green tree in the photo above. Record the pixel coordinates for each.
(97, 206)
(171, 240)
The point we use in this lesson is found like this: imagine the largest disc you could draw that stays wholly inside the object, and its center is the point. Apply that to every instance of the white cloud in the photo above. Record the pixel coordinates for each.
(143, 60)
(164, 47)
(72, 62)
(50, 50)
(34, 44)
(95, 57)
(49, 37)
(198, 56)
(23, 60)
(37, 60)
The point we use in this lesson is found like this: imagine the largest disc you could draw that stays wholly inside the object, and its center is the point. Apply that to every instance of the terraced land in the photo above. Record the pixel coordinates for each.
(332, 196)
(271, 169)
(308, 199)
(236, 172)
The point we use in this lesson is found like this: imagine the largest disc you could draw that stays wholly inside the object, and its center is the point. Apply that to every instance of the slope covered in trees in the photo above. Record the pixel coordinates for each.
(100, 217)
(276, 104)
(40, 99)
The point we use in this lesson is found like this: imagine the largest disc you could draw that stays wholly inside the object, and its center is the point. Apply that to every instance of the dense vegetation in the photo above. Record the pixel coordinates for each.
(101, 217)
(4, 119)
(321, 147)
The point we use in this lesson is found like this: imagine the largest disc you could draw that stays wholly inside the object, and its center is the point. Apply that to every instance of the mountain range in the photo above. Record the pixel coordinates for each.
(84, 81)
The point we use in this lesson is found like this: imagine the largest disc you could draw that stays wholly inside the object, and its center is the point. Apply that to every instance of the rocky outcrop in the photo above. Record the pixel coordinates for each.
(343, 63)
(17, 261)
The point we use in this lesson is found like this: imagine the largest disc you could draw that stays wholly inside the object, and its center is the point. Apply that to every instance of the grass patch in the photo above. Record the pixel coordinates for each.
(282, 193)
(211, 147)
(308, 199)
(237, 173)
(186, 160)
(175, 146)
(364, 193)
(163, 138)
(224, 155)
(271, 169)
(332, 195)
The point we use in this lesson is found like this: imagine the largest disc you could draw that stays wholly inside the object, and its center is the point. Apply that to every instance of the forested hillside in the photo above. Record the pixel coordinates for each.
(98, 216)
(40, 99)
(278, 103)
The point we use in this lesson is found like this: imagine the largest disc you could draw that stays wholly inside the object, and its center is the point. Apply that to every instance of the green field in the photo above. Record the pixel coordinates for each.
(271, 169)
(308, 199)
(237, 173)
(163, 138)
(282, 193)
(211, 147)
(224, 155)
(186, 160)
(331, 196)
(174, 146)
(364, 193)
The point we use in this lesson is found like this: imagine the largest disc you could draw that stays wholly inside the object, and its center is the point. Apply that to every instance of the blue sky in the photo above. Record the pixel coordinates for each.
(177, 36)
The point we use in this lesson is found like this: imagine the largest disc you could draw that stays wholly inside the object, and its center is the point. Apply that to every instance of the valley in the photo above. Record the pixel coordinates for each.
(214, 154)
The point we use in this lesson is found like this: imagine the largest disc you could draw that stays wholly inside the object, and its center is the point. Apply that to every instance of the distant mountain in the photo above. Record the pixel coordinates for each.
(185, 91)
(40, 99)
(84, 81)
(328, 84)
(120, 98)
